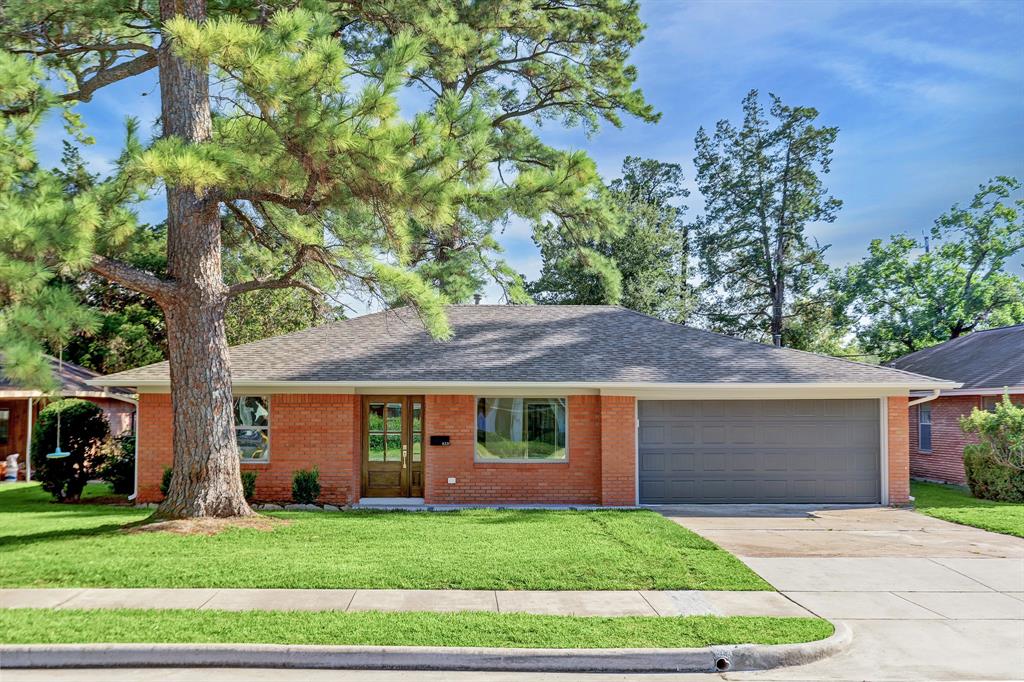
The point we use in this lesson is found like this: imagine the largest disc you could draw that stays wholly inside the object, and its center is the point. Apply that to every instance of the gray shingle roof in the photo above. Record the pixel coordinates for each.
(73, 379)
(507, 344)
(987, 359)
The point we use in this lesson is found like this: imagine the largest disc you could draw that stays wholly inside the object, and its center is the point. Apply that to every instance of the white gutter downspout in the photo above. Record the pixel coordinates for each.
(135, 435)
(926, 399)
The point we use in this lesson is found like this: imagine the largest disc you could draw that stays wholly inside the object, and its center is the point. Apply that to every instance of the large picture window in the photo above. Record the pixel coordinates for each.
(924, 428)
(520, 430)
(252, 427)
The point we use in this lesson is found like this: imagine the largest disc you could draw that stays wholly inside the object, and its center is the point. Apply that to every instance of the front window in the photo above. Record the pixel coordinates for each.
(252, 428)
(520, 430)
(924, 428)
(5, 426)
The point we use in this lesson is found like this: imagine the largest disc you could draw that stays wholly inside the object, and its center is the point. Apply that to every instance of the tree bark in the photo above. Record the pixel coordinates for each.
(206, 479)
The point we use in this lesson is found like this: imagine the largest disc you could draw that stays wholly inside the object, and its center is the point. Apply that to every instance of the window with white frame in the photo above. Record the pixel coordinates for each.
(924, 427)
(521, 430)
(252, 427)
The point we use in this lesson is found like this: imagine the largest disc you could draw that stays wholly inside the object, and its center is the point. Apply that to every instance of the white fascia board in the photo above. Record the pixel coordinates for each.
(978, 391)
(638, 389)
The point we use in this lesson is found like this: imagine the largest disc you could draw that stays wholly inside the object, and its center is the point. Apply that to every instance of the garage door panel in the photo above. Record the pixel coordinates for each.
(759, 451)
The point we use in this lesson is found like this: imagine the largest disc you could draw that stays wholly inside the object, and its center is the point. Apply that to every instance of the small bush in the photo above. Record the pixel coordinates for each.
(995, 465)
(118, 467)
(989, 479)
(83, 429)
(249, 484)
(165, 481)
(306, 486)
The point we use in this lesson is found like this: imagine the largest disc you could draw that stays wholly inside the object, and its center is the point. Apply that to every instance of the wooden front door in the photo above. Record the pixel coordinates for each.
(392, 446)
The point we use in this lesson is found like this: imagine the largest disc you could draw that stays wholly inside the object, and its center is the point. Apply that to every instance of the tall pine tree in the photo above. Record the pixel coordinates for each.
(285, 116)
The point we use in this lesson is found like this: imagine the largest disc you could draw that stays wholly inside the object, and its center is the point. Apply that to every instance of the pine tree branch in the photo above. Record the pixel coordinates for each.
(133, 278)
(104, 77)
(285, 281)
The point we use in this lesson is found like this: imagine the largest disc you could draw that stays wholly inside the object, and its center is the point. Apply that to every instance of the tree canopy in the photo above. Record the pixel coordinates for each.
(651, 255)
(909, 293)
(762, 185)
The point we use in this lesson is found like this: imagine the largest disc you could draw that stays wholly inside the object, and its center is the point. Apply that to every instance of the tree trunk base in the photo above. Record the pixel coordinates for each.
(205, 526)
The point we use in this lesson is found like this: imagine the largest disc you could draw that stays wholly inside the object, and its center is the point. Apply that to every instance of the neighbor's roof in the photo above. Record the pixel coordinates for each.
(987, 359)
(591, 345)
(73, 380)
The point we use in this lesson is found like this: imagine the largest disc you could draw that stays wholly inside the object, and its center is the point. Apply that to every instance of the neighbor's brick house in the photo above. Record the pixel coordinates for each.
(588, 405)
(20, 406)
(987, 365)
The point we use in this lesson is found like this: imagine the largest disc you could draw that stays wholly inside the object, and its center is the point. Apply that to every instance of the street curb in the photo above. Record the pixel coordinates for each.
(708, 659)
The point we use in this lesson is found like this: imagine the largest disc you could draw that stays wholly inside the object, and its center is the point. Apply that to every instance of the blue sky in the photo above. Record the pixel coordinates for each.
(928, 97)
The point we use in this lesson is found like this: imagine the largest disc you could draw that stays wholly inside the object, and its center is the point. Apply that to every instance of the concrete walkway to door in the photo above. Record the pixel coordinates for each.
(925, 599)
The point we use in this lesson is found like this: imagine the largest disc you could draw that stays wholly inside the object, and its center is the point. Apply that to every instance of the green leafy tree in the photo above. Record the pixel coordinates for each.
(762, 184)
(909, 293)
(83, 429)
(286, 117)
(651, 253)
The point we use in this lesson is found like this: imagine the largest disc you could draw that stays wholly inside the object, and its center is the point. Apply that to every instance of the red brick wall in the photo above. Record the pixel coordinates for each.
(945, 462)
(305, 431)
(618, 450)
(899, 463)
(577, 481)
(154, 431)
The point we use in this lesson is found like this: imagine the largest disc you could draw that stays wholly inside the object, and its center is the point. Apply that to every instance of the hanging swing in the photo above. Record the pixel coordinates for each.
(58, 453)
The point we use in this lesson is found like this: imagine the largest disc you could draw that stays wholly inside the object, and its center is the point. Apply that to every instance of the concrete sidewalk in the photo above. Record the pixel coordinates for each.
(621, 603)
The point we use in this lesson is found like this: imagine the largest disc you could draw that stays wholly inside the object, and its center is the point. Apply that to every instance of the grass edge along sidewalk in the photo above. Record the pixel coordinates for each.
(374, 628)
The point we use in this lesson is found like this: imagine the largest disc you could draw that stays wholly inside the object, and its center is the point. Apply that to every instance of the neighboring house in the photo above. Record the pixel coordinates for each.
(988, 364)
(19, 408)
(593, 405)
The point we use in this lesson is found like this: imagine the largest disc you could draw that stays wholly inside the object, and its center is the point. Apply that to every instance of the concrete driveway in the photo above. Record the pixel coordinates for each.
(926, 599)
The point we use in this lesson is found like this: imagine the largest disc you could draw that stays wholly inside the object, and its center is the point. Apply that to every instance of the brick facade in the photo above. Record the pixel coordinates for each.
(945, 462)
(899, 462)
(575, 481)
(305, 431)
(325, 431)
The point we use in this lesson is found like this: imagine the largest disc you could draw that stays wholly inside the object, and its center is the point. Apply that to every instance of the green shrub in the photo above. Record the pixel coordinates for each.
(306, 486)
(118, 467)
(249, 484)
(165, 481)
(989, 479)
(83, 428)
(995, 465)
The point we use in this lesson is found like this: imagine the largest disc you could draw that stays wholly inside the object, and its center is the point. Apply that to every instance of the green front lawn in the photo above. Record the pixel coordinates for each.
(466, 629)
(952, 503)
(49, 545)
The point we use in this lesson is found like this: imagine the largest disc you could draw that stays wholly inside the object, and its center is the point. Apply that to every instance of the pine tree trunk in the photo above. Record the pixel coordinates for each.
(206, 479)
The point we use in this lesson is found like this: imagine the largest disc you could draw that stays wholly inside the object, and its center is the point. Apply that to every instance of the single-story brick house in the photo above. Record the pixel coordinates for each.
(19, 407)
(987, 364)
(594, 405)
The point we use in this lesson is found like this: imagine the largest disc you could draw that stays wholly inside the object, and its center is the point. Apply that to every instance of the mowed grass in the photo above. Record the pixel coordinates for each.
(952, 503)
(43, 544)
(465, 629)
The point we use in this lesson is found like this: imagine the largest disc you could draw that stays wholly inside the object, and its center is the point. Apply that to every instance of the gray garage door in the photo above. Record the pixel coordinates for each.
(767, 451)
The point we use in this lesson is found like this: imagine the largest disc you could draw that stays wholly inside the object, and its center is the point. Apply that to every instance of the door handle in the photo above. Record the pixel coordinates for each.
(405, 454)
